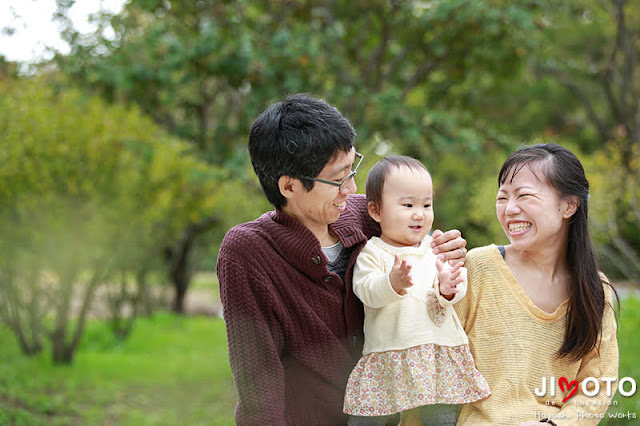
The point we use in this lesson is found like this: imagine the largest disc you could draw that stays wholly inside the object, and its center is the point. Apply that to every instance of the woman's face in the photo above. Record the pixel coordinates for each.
(531, 212)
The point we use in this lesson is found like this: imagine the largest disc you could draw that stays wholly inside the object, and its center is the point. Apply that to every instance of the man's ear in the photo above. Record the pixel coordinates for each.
(374, 210)
(571, 205)
(288, 186)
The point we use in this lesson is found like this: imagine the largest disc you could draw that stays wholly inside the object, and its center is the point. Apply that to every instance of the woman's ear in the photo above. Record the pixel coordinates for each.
(571, 205)
(374, 210)
(288, 186)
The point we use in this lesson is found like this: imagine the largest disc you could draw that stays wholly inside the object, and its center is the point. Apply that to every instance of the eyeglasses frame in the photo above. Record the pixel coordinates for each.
(346, 179)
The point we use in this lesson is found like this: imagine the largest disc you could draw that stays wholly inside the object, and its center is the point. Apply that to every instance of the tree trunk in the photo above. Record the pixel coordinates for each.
(61, 353)
(178, 259)
(179, 272)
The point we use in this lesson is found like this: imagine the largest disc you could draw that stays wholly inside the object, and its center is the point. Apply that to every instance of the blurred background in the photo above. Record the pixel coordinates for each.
(123, 162)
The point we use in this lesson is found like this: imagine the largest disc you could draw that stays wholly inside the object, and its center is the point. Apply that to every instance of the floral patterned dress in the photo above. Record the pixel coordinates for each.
(384, 383)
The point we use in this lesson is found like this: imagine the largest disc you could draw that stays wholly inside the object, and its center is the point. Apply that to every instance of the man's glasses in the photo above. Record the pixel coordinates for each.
(343, 183)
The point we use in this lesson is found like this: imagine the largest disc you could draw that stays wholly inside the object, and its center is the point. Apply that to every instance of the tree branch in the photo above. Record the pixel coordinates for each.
(622, 43)
(570, 83)
(419, 76)
(372, 71)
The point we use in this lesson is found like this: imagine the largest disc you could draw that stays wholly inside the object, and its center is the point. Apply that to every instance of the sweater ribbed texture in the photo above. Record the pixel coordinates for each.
(514, 344)
(294, 330)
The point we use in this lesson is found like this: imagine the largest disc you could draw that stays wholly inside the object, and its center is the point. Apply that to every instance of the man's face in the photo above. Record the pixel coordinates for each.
(322, 206)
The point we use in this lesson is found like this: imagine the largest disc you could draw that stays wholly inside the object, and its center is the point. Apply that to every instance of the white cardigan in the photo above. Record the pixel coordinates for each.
(395, 322)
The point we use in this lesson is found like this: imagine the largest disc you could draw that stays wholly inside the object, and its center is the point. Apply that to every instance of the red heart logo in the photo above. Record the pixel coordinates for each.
(569, 385)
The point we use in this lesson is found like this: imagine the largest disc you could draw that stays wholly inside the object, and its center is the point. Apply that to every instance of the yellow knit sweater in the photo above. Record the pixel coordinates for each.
(514, 343)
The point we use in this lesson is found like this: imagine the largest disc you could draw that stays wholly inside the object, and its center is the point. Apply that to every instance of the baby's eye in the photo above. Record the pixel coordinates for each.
(408, 205)
(427, 206)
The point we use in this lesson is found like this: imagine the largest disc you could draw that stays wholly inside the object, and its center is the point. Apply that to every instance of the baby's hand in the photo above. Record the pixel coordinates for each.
(400, 276)
(450, 278)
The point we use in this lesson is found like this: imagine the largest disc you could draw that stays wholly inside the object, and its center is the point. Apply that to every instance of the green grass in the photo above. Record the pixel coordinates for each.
(172, 370)
(629, 346)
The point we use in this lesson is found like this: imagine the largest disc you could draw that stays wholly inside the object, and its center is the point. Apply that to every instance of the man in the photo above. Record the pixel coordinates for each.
(294, 326)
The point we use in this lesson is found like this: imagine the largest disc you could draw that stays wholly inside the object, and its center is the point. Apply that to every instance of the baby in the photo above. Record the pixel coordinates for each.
(416, 353)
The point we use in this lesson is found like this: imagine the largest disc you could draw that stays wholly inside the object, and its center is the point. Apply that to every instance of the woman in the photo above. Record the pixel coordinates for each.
(538, 312)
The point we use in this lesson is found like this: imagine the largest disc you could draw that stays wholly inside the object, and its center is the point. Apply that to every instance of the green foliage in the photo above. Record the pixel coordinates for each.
(615, 207)
(455, 83)
(88, 190)
(408, 74)
(205, 70)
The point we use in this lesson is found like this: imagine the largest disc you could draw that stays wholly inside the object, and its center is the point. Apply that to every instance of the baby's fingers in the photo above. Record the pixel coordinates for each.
(409, 280)
(456, 267)
(453, 275)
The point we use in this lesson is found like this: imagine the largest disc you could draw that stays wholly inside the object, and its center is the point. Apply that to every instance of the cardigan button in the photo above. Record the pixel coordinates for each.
(316, 260)
(327, 278)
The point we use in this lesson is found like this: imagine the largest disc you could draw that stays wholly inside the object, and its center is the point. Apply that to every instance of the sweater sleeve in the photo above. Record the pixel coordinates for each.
(371, 283)
(466, 308)
(254, 343)
(601, 363)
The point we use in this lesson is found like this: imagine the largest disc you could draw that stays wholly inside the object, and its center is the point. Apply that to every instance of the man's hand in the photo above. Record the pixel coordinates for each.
(449, 246)
(400, 276)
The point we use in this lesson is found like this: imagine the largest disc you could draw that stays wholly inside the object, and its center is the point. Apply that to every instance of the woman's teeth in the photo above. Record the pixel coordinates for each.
(519, 226)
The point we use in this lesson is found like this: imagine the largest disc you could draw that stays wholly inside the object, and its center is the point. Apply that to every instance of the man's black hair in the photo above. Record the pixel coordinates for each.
(296, 137)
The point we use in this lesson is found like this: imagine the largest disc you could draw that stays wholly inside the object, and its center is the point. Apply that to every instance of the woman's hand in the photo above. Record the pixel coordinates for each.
(449, 246)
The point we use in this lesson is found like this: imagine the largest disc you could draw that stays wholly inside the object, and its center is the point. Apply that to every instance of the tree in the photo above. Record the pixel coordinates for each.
(581, 87)
(84, 200)
(406, 73)
(605, 80)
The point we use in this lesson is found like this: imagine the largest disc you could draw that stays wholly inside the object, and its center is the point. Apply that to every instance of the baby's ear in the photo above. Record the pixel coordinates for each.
(374, 210)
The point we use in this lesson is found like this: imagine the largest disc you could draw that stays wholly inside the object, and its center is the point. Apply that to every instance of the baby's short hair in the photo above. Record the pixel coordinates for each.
(380, 170)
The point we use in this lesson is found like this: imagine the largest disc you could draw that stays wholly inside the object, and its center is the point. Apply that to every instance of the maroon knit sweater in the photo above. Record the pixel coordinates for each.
(294, 329)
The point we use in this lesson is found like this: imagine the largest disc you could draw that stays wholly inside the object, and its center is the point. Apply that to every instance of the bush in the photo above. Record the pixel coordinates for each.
(89, 192)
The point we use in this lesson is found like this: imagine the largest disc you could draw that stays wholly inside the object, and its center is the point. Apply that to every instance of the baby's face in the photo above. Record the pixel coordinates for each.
(406, 211)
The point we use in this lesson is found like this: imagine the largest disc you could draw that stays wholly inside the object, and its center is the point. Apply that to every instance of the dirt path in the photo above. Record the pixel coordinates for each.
(197, 302)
